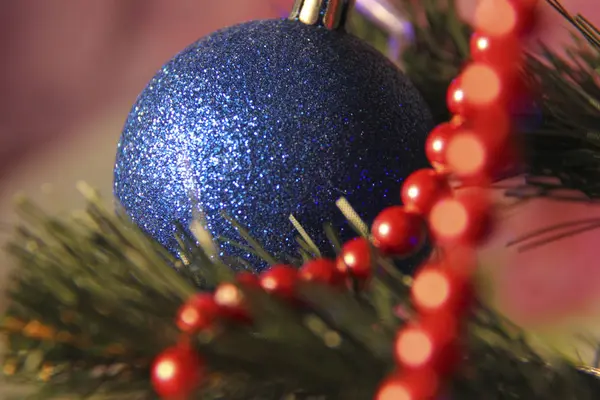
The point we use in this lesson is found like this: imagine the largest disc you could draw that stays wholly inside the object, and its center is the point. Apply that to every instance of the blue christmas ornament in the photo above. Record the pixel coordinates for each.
(267, 119)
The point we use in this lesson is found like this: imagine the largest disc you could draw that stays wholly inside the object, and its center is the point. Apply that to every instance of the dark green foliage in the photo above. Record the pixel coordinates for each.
(439, 49)
(94, 300)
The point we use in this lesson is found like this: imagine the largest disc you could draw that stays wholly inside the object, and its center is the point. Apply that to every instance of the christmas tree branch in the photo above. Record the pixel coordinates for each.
(439, 48)
(94, 300)
(89, 290)
(579, 22)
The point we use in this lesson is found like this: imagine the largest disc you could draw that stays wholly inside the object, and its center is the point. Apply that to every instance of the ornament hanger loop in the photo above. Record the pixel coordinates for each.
(331, 14)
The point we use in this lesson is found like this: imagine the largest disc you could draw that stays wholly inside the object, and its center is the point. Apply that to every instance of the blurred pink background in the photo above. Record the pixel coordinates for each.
(64, 60)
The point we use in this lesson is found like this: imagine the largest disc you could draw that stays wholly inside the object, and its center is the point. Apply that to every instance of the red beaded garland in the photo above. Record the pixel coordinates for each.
(481, 148)
(232, 303)
(397, 231)
(463, 219)
(492, 124)
(438, 289)
(481, 86)
(355, 259)
(422, 189)
(321, 270)
(408, 386)
(428, 345)
(471, 156)
(176, 372)
(456, 100)
(280, 280)
(502, 52)
(198, 313)
(526, 15)
(248, 279)
(472, 148)
(437, 143)
(505, 17)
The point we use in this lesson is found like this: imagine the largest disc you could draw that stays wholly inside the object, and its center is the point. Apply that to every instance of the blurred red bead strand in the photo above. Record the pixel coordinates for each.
(505, 17)
(232, 303)
(176, 372)
(198, 313)
(322, 270)
(280, 280)
(472, 149)
(464, 219)
(502, 52)
(409, 386)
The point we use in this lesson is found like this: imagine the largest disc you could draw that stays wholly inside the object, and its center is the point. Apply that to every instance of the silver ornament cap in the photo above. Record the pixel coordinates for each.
(331, 14)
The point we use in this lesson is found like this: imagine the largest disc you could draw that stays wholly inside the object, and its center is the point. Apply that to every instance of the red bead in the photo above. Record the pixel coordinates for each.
(409, 386)
(456, 99)
(438, 289)
(355, 259)
(198, 313)
(489, 86)
(471, 157)
(457, 121)
(464, 219)
(280, 280)
(322, 270)
(449, 351)
(481, 149)
(505, 17)
(248, 279)
(437, 141)
(502, 52)
(232, 303)
(494, 126)
(176, 372)
(482, 86)
(422, 189)
(397, 231)
(428, 345)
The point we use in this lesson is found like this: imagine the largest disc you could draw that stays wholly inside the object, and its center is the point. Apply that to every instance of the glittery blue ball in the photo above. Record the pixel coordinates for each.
(267, 119)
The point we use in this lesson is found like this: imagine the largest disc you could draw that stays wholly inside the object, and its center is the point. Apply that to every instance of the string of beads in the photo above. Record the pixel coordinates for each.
(472, 148)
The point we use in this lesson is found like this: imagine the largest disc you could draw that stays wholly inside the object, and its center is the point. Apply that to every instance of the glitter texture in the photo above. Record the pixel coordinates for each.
(267, 119)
